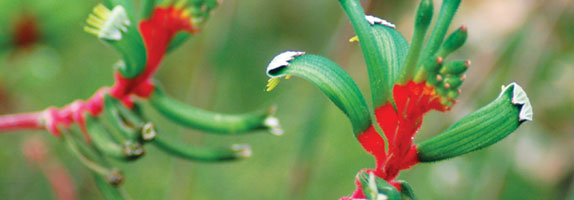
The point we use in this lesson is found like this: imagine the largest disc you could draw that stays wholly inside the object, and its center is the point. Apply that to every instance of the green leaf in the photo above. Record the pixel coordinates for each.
(375, 188)
(192, 117)
(177, 148)
(480, 129)
(329, 78)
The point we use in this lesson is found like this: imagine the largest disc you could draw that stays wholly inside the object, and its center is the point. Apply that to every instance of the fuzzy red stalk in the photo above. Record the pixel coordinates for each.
(413, 100)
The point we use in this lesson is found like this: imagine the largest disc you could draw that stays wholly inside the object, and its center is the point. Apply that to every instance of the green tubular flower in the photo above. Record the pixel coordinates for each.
(197, 10)
(329, 77)
(128, 130)
(447, 11)
(480, 129)
(452, 43)
(422, 21)
(115, 28)
(214, 122)
(406, 83)
(92, 159)
(147, 8)
(392, 44)
(109, 192)
(379, 71)
(407, 191)
(177, 148)
(114, 147)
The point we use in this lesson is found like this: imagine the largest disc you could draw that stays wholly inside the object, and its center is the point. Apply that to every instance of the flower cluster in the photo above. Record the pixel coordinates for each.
(111, 124)
(406, 82)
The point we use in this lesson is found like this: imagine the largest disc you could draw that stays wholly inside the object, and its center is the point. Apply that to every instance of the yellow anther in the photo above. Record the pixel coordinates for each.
(272, 83)
(288, 77)
(102, 12)
(94, 21)
(354, 39)
(91, 30)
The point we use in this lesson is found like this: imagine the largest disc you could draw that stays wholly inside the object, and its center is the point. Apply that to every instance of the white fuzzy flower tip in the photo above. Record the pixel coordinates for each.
(375, 20)
(282, 60)
(273, 124)
(108, 24)
(519, 97)
(242, 150)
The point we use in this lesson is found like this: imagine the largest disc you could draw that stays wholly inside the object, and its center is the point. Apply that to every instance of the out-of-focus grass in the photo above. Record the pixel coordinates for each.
(222, 69)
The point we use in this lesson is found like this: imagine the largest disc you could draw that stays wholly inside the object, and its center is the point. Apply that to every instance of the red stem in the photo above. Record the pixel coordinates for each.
(24, 121)
(157, 32)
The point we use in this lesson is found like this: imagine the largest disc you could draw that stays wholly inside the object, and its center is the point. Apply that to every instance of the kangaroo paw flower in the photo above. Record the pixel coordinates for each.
(406, 82)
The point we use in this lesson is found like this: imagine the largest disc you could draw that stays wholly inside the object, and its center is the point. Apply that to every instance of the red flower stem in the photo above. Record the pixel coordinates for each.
(157, 32)
(24, 121)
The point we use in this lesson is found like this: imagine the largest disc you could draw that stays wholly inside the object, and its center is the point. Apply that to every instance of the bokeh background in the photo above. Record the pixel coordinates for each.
(222, 69)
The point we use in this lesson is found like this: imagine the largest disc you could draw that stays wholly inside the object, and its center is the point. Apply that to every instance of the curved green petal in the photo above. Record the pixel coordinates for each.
(213, 122)
(480, 129)
(327, 76)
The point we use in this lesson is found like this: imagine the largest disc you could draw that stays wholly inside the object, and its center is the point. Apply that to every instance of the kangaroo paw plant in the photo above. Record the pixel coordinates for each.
(406, 82)
(110, 123)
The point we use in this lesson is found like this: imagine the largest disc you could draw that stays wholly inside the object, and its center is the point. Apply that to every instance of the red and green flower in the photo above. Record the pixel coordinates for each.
(406, 82)
(112, 121)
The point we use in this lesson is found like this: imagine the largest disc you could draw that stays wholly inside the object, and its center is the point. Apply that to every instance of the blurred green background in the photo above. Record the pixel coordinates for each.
(222, 69)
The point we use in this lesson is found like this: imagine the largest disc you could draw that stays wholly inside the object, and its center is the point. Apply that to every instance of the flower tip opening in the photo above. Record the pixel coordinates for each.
(148, 132)
(375, 20)
(115, 177)
(277, 63)
(133, 149)
(242, 150)
(520, 98)
(280, 61)
(107, 24)
(272, 123)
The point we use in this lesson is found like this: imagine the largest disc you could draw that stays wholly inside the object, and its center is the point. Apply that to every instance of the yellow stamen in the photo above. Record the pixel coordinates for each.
(272, 83)
(102, 12)
(288, 77)
(91, 30)
(94, 21)
(354, 39)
